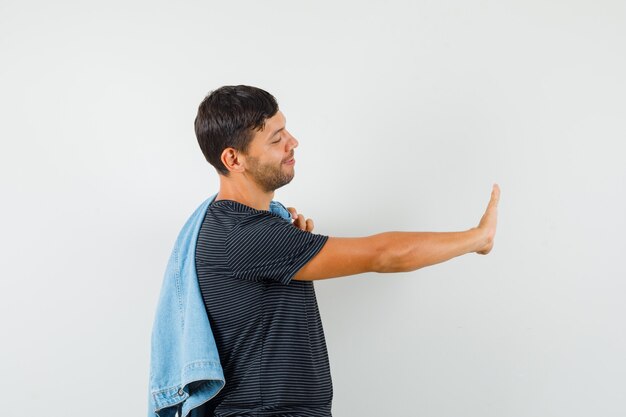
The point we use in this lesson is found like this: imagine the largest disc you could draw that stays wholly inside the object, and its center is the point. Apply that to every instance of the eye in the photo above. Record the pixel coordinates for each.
(276, 141)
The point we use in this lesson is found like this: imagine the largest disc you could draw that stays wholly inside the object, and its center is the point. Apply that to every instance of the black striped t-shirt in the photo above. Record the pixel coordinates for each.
(267, 327)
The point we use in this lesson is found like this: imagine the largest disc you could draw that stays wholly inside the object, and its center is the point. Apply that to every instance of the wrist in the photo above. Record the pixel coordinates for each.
(478, 238)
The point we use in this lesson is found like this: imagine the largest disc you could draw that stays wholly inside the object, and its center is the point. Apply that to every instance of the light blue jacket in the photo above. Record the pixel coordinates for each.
(185, 369)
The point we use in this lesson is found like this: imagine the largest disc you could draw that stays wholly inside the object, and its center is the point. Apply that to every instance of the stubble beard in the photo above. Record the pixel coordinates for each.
(269, 177)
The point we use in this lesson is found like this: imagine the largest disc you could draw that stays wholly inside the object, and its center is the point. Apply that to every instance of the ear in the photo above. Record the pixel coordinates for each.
(233, 160)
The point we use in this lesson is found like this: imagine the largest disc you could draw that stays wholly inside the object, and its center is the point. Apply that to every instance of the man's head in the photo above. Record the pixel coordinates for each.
(241, 131)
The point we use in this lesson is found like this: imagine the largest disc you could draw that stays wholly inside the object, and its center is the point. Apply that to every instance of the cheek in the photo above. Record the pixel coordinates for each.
(277, 155)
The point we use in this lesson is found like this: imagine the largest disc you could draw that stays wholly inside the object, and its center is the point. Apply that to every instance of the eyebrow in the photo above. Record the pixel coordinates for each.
(277, 130)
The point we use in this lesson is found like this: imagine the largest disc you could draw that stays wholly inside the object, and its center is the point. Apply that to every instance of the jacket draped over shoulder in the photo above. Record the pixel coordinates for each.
(185, 370)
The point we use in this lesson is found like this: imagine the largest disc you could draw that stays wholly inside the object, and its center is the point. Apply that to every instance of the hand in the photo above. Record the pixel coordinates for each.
(299, 221)
(489, 221)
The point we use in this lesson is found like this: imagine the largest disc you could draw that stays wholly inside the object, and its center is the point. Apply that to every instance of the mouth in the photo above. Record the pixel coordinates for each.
(291, 161)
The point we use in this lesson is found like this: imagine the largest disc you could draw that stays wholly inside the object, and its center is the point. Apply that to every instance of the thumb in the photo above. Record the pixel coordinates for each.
(293, 212)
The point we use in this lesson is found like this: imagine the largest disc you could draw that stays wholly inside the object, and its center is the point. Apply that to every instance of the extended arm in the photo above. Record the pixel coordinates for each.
(401, 251)
(408, 251)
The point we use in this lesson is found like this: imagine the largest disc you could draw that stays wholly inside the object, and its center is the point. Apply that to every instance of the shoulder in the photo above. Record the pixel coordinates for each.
(259, 219)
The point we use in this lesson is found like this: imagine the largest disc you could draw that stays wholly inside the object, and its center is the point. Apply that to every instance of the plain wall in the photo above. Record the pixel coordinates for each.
(406, 113)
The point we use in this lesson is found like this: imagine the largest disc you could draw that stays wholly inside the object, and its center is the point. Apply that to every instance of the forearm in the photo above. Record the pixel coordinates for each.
(408, 251)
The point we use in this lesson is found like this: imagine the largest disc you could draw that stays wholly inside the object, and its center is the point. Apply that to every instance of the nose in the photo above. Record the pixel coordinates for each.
(294, 141)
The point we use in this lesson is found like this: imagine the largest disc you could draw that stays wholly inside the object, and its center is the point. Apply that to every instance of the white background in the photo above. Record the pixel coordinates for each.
(406, 113)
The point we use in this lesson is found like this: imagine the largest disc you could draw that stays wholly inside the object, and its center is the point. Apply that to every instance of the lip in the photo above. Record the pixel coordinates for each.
(291, 161)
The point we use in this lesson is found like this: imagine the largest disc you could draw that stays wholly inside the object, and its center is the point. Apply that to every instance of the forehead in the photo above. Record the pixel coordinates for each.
(272, 124)
(275, 122)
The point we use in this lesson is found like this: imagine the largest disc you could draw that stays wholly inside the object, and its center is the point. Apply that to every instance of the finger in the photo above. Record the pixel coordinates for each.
(495, 196)
(496, 192)
(293, 212)
(301, 223)
(309, 225)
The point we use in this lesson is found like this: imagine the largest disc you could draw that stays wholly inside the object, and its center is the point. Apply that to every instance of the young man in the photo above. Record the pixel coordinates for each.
(256, 270)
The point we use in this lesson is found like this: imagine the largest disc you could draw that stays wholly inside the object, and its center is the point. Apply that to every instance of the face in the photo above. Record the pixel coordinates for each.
(268, 154)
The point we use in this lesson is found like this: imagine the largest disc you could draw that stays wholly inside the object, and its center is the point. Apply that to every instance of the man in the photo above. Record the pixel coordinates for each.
(256, 270)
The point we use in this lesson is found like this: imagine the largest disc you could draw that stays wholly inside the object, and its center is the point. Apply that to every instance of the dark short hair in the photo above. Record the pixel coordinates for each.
(228, 117)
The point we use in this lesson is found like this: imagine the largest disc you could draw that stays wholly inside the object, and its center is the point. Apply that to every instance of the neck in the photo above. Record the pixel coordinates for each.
(247, 193)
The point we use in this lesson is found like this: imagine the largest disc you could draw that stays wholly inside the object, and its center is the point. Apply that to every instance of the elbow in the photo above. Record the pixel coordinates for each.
(387, 257)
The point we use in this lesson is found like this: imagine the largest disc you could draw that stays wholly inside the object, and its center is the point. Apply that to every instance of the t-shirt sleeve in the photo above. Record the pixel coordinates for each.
(266, 247)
